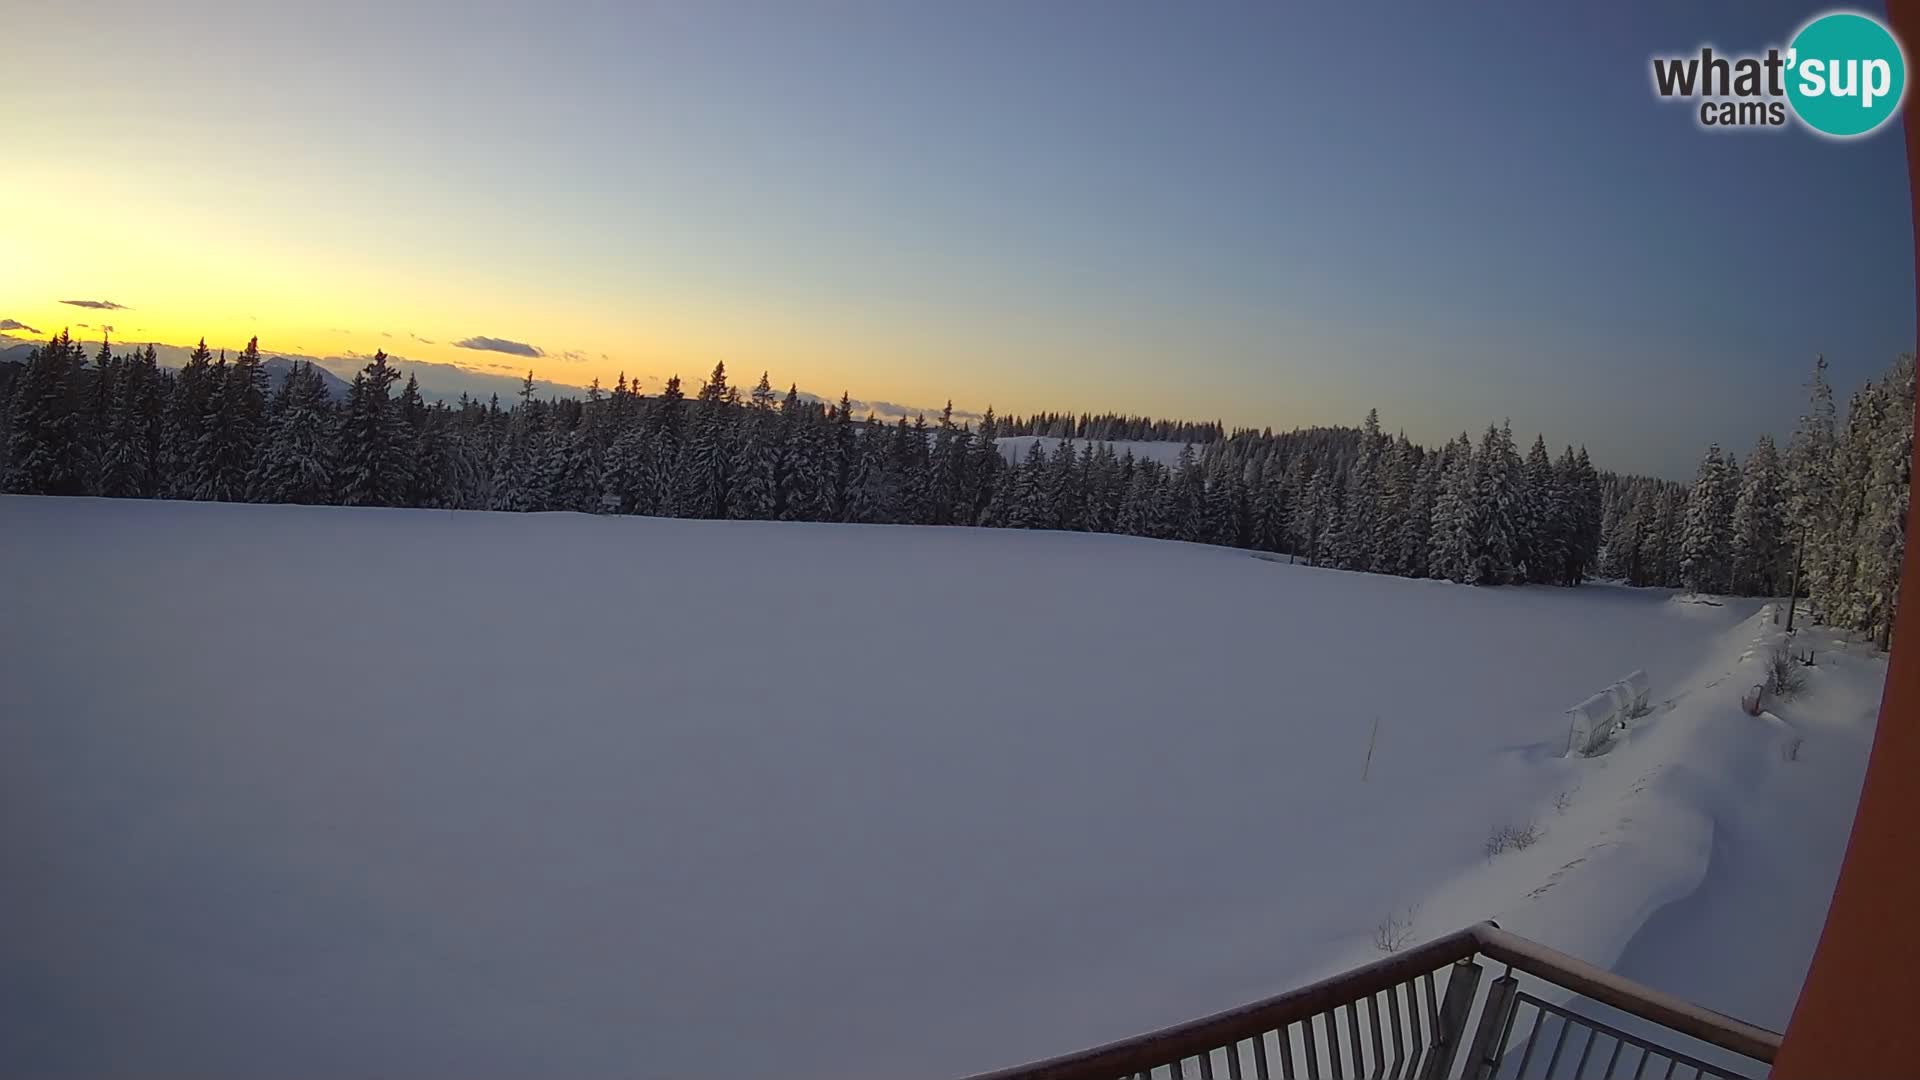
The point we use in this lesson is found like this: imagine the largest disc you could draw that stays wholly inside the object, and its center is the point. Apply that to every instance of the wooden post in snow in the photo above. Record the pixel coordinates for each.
(1793, 580)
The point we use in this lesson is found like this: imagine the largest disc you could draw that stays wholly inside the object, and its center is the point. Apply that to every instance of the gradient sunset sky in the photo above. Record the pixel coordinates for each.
(1268, 214)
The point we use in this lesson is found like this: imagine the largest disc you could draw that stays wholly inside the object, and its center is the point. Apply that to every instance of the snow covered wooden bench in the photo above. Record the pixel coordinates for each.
(1593, 721)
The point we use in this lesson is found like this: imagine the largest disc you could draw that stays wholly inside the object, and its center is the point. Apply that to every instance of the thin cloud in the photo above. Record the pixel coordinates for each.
(16, 324)
(575, 355)
(500, 345)
(421, 340)
(101, 305)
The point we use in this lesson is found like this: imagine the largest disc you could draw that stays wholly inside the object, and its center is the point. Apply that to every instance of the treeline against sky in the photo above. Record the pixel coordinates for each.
(1111, 427)
(1471, 511)
(1825, 519)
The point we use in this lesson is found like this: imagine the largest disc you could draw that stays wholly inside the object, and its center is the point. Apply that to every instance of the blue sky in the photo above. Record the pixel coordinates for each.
(1270, 214)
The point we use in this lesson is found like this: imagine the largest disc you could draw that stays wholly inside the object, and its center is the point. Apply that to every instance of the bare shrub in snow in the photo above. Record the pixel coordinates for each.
(1784, 677)
(1791, 751)
(1511, 837)
(1395, 930)
(1562, 801)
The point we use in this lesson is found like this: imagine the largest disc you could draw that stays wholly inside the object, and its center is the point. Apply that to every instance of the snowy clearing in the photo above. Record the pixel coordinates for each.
(1015, 447)
(393, 792)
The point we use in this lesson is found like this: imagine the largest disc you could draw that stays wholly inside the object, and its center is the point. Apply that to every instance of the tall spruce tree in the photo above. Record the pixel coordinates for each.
(1498, 508)
(708, 472)
(48, 452)
(1705, 542)
(1758, 527)
(757, 457)
(298, 466)
(374, 443)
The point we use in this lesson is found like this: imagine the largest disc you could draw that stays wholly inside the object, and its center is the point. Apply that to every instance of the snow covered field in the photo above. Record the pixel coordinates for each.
(1015, 447)
(343, 792)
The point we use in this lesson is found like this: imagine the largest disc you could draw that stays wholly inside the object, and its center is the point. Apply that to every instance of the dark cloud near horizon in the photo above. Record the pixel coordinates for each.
(16, 324)
(500, 345)
(101, 305)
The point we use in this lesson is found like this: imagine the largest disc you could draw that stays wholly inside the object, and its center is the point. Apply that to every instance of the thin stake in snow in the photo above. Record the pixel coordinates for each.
(1371, 736)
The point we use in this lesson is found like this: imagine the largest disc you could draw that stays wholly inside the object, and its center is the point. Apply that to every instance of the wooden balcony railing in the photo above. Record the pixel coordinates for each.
(1423, 1014)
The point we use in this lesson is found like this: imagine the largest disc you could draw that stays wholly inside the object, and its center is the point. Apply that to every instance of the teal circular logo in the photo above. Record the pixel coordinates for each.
(1845, 74)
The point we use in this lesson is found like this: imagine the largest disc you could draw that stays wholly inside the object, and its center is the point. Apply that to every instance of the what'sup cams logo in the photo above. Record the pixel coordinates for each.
(1842, 75)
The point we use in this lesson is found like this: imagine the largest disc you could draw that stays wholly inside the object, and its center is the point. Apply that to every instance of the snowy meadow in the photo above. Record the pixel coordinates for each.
(358, 792)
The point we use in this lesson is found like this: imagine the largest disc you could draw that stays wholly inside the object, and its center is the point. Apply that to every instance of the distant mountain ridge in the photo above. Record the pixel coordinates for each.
(278, 367)
(438, 382)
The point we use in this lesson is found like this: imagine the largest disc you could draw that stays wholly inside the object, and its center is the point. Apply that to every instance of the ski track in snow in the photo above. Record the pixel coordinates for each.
(377, 792)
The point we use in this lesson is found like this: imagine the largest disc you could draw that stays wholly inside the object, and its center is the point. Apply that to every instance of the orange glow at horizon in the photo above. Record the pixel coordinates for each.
(184, 271)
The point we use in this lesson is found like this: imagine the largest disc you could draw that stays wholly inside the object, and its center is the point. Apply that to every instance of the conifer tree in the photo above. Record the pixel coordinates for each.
(1497, 507)
(804, 486)
(1030, 509)
(846, 452)
(1395, 486)
(1705, 542)
(1455, 550)
(298, 465)
(234, 429)
(1315, 508)
(47, 451)
(374, 443)
(983, 470)
(756, 457)
(708, 472)
(1758, 540)
(1544, 537)
(185, 419)
(1187, 491)
(123, 444)
(1351, 540)
(100, 398)
(1809, 473)
(624, 472)
(1416, 537)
